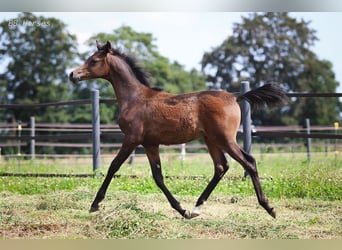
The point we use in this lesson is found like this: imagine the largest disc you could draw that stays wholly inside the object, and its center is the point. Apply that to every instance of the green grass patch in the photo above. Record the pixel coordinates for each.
(320, 179)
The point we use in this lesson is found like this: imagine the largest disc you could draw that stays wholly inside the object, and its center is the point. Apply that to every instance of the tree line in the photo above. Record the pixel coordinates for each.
(264, 47)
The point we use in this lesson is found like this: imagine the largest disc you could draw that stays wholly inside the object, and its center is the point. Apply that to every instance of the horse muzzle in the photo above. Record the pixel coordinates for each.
(74, 78)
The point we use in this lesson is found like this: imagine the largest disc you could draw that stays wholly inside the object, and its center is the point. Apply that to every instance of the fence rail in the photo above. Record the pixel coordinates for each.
(314, 94)
(296, 135)
(113, 101)
(113, 132)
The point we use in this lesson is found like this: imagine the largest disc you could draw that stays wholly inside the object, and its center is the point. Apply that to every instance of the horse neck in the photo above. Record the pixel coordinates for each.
(126, 87)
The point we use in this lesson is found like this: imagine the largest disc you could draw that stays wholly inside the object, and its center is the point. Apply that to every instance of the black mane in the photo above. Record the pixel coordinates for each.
(138, 71)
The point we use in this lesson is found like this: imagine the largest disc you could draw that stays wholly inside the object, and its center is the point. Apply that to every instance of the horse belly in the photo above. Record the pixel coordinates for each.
(171, 137)
(173, 129)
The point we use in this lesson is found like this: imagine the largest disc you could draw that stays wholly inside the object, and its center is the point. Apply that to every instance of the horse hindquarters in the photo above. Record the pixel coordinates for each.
(221, 127)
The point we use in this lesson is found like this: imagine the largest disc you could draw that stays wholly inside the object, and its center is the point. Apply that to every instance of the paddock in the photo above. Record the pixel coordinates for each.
(52, 200)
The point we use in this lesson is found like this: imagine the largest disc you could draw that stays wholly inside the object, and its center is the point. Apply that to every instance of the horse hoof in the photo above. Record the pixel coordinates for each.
(193, 215)
(195, 212)
(187, 214)
(93, 209)
(272, 213)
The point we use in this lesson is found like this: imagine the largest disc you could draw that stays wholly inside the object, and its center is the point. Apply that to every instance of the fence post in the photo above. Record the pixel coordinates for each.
(308, 140)
(32, 134)
(183, 151)
(246, 121)
(336, 126)
(95, 100)
(20, 128)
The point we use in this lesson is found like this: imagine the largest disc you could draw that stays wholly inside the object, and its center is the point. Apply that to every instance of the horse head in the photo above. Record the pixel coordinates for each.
(96, 66)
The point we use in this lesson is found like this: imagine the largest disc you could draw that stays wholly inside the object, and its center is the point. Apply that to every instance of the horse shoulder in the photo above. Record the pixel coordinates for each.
(131, 118)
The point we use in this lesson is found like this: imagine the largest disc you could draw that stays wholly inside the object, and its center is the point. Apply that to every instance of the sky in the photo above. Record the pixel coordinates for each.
(185, 36)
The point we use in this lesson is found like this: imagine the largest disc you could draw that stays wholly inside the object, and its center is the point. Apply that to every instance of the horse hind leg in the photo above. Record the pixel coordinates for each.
(249, 164)
(221, 167)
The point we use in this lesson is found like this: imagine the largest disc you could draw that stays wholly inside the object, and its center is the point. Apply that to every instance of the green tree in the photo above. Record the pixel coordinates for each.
(317, 77)
(275, 47)
(35, 52)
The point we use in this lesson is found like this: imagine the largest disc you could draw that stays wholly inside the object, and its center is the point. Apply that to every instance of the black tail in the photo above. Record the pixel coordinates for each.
(268, 94)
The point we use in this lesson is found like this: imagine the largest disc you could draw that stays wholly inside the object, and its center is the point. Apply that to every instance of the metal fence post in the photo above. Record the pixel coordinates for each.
(246, 121)
(95, 100)
(32, 134)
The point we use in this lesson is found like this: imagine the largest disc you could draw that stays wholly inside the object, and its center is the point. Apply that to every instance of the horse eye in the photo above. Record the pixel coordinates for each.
(93, 62)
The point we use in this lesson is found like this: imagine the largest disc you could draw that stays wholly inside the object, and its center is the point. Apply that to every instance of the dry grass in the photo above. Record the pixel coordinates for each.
(126, 215)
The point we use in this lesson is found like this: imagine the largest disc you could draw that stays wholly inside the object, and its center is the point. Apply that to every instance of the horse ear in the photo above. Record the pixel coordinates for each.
(104, 48)
(108, 46)
(98, 45)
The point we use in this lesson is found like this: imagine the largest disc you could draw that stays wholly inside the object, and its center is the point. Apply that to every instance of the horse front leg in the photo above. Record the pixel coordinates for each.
(125, 151)
(152, 153)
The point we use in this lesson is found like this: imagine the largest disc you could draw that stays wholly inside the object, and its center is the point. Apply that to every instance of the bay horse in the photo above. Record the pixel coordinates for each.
(150, 117)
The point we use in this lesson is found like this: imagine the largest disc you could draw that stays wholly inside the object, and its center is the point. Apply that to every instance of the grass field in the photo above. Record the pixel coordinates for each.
(307, 197)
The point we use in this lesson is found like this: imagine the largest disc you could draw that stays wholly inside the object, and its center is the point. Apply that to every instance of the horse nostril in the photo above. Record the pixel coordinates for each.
(71, 78)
